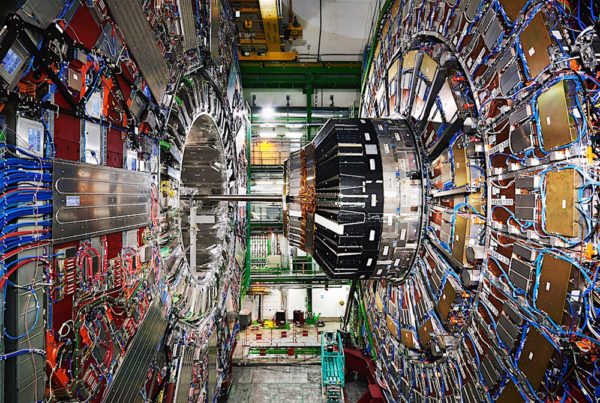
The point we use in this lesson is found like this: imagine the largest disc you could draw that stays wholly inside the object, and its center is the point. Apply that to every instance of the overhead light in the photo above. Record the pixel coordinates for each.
(267, 182)
(294, 135)
(267, 135)
(294, 125)
(267, 113)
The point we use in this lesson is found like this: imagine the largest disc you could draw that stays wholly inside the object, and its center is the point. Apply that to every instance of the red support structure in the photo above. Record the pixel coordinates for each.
(363, 365)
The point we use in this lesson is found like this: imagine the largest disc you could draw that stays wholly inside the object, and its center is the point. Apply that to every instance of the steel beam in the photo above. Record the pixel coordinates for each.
(270, 20)
(301, 75)
(325, 68)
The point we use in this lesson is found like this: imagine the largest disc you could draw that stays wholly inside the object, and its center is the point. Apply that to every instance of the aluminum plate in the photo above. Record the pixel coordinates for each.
(92, 200)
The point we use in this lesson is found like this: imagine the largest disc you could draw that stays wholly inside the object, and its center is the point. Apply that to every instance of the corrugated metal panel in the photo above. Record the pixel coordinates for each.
(90, 200)
(187, 22)
(130, 377)
(140, 41)
(186, 369)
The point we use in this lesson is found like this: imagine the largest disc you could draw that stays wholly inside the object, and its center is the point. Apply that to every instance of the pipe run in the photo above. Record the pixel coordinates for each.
(242, 198)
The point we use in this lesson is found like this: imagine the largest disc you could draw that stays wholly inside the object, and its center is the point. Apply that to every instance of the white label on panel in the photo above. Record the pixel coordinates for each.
(72, 201)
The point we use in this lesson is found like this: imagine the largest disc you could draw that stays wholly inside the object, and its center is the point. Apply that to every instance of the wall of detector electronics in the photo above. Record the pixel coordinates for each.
(502, 303)
(113, 113)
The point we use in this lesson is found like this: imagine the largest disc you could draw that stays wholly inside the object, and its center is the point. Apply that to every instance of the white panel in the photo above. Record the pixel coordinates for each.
(30, 136)
(93, 132)
(329, 224)
(327, 302)
(296, 301)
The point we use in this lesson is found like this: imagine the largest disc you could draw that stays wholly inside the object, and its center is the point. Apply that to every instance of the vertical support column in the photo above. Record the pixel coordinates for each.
(260, 308)
(193, 232)
(309, 93)
(309, 299)
(284, 301)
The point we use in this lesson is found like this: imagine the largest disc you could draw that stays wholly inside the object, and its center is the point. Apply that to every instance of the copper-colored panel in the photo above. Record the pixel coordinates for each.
(536, 41)
(424, 331)
(462, 227)
(391, 325)
(510, 394)
(393, 71)
(377, 50)
(428, 66)
(446, 300)
(476, 201)
(407, 338)
(395, 8)
(446, 169)
(386, 27)
(554, 283)
(554, 117)
(461, 170)
(560, 203)
(378, 302)
(535, 357)
(513, 7)
(409, 60)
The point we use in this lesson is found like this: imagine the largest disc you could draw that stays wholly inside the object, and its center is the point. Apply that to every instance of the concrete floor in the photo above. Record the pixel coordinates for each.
(287, 384)
(279, 378)
(275, 384)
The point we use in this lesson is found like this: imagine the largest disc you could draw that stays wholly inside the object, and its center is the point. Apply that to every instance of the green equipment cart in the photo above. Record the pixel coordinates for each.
(332, 366)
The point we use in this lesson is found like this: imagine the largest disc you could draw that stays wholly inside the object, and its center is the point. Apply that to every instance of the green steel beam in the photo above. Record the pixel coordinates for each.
(297, 350)
(300, 81)
(317, 69)
(301, 75)
(309, 102)
(263, 224)
(283, 279)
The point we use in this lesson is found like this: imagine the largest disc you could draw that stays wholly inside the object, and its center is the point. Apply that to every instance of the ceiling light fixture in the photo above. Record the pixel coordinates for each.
(267, 113)
(294, 135)
(267, 135)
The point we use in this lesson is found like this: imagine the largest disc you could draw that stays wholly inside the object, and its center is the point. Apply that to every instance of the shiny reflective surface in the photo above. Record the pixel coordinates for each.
(91, 200)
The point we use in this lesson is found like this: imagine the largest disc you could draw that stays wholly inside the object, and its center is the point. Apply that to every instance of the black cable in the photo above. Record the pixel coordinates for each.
(320, 29)
(163, 382)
